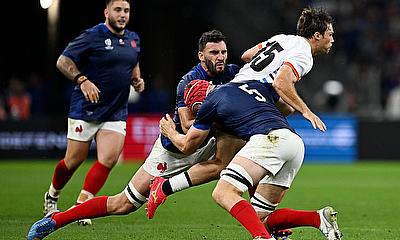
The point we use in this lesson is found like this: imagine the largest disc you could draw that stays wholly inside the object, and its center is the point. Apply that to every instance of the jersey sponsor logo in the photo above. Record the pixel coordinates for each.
(79, 129)
(133, 44)
(121, 41)
(162, 167)
(108, 44)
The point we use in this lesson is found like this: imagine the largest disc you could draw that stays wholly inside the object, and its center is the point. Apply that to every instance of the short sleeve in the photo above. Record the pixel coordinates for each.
(206, 115)
(78, 47)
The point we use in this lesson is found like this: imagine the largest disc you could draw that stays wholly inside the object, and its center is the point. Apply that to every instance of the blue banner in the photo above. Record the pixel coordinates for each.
(337, 144)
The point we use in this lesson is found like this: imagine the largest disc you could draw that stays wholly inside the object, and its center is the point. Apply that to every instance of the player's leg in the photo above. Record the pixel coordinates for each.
(80, 135)
(226, 148)
(131, 199)
(277, 221)
(171, 164)
(272, 189)
(109, 146)
(76, 153)
(238, 177)
(109, 141)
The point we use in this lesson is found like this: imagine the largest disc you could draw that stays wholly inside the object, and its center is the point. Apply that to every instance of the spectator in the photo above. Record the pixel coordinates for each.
(18, 99)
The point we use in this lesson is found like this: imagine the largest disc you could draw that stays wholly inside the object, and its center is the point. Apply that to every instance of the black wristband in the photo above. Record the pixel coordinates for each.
(76, 78)
(82, 81)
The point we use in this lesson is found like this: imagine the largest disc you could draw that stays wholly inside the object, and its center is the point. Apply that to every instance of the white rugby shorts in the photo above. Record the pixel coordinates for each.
(84, 131)
(281, 152)
(164, 163)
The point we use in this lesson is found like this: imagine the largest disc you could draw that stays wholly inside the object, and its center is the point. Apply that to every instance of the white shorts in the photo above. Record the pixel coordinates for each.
(84, 131)
(164, 163)
(281, 152)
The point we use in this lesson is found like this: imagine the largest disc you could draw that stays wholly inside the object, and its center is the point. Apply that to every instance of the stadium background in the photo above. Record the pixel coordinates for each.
(352, 84)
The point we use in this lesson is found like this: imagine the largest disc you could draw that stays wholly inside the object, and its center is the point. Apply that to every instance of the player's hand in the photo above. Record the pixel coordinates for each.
(138, 84)
(315, 121)
(167, 125)
(90, 91)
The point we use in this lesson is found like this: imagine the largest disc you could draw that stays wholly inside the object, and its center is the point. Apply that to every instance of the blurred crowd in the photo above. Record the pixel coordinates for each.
(360, 76)
(367, 56)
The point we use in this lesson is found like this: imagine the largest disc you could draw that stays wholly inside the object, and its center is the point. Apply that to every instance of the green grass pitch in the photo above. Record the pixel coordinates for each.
(366, 195)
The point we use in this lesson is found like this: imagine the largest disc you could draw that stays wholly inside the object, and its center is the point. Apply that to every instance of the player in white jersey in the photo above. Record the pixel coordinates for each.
(290, 50)
(282, 61)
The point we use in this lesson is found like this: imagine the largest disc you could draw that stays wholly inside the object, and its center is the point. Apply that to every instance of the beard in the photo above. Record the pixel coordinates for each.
(114, 26)
(213, 69)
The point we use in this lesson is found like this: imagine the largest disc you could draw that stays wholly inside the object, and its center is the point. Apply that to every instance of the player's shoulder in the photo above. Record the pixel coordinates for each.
(292, 42)
(96, 29)
(195, 73)
(131, 34)
(232, 68)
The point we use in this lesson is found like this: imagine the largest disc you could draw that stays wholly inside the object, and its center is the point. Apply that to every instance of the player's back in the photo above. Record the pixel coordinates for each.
(280, 49)
(245, 109)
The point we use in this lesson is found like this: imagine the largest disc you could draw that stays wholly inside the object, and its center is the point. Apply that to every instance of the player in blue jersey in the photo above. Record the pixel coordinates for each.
(103, 62)
(164, 159)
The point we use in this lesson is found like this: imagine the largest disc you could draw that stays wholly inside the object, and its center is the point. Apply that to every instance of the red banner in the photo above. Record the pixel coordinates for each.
(141, 132)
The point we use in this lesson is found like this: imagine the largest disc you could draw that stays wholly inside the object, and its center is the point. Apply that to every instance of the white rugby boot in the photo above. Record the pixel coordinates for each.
(50, 204)
(329, 226)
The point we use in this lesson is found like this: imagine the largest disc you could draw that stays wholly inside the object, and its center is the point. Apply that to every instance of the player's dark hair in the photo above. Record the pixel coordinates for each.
(111, 1)
(311, 21)
(214, 36)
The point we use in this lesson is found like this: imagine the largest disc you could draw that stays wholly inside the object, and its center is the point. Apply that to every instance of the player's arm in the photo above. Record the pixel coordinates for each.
(67, 67)
(187, 118)
(71, 71)
(284, 86)
(285, 108)
(188, 143)
(137, 80)
(249, 53)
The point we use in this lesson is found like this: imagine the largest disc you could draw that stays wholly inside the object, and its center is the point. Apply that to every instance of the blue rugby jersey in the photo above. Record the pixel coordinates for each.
(197, 72)
(242, 109)
(106, 60)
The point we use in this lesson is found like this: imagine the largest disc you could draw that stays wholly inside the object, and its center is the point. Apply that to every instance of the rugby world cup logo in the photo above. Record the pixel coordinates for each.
(108, 44)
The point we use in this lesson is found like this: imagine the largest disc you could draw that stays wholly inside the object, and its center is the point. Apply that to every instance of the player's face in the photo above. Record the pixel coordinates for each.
(327, 40)
(214, 57)
(117, 15)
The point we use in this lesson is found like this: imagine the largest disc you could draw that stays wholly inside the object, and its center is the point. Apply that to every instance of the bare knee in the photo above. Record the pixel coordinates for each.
(120, 205)
(217, 195)
(215, 167)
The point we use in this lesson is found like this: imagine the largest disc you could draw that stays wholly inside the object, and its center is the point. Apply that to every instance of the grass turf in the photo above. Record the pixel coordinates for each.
(366, 195)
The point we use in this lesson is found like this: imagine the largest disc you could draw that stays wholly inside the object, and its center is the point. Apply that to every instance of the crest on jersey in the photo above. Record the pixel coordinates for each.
(108, 44)
(133, 44)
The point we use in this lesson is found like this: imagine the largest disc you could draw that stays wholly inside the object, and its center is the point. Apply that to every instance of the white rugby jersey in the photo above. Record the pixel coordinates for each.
(290, 50)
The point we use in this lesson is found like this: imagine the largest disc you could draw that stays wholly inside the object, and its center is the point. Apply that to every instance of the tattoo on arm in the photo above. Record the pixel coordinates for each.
(67, 67)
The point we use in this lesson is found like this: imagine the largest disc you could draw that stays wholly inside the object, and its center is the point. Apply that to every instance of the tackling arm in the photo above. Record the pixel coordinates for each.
(186, 117)
(188, 143)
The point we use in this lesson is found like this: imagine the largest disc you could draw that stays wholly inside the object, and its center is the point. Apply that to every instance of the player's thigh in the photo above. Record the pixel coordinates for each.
(254, 170)
(227, 147)
(76, 153)
(291, 152)
(273, 193)
(141, 181)
(109, 146)
(137, 190)
(164, 163)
